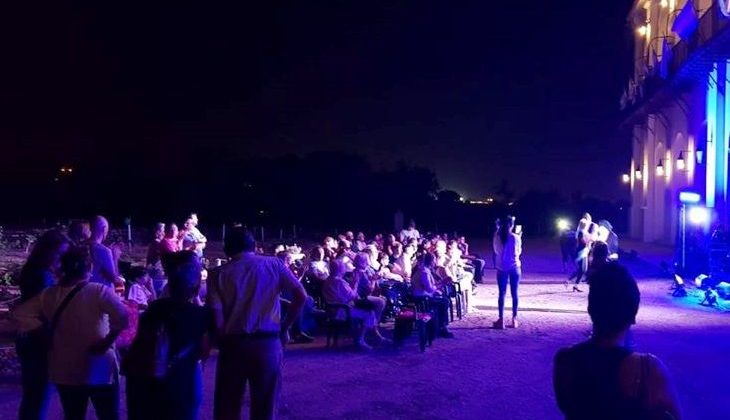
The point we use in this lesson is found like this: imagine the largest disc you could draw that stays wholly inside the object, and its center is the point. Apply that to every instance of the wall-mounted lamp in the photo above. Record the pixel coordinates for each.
(637, 174)
(642, 30)
(681, 164)
(660, 169)
(699, 155)
(625, 178)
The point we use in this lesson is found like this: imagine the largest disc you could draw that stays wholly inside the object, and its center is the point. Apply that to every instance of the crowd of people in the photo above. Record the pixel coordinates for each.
(82, 324)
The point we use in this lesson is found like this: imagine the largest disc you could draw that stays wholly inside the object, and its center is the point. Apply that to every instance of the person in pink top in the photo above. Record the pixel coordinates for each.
(171, 242)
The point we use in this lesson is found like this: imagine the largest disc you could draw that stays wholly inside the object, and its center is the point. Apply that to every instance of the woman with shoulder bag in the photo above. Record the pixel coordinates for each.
(85, 319)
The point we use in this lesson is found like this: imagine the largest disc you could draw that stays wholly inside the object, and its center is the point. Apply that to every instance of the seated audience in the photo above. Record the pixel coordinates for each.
(600, 378)
(337, 290)
(345, 258)
(345, 247)
(404, 264)
(364, 282)
(385, 273)
(378, 241)
(396, 251)
(424, 286)
(388, 244)
(473, 260)
(318, 268)
(372, 254)
(359, 244)
(140, 290)
(330, 248)
(456, 271)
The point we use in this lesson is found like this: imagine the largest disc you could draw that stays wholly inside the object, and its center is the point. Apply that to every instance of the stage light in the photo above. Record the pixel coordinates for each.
(699, 280)
(678, 281)
(626, 178)
(679, 290)
(688, 197)
(699, 215)
(563, 225)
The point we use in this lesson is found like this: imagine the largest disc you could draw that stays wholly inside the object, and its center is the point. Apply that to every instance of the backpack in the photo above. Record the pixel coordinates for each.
(150, 354)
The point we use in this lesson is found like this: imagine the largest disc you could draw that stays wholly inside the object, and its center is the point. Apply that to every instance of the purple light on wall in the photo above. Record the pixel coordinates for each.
(686, 22)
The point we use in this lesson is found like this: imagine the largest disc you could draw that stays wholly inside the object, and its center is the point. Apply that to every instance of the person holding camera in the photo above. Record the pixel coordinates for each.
(507, 244)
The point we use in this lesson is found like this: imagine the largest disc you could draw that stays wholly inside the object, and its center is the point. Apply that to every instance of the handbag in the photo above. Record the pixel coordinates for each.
(45, 333)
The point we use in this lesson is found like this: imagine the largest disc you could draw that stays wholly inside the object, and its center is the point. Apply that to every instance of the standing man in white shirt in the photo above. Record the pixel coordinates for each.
(244, 296)
(193, 234)
(406, 235)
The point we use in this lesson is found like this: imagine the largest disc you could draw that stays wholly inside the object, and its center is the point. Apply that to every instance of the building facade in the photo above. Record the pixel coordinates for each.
(677, 112)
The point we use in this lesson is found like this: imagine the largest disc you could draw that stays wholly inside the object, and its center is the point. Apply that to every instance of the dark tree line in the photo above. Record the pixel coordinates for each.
(320, 192)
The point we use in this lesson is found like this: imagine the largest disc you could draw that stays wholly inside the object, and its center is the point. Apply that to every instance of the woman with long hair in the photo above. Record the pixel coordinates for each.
(38, 273)
(507, 250)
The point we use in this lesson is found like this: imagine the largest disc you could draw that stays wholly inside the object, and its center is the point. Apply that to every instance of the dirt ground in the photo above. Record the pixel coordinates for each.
(489, 374)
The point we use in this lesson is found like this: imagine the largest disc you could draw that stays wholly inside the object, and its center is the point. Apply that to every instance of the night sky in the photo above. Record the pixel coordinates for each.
(477, 91)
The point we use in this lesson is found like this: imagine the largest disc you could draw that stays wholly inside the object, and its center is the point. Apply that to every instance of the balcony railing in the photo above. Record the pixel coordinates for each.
(710, 24)
(706, 44)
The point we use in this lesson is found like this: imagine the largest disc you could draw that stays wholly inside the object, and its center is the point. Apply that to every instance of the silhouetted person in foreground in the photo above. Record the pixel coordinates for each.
(38, 273)
(600, 378)
(176, 390)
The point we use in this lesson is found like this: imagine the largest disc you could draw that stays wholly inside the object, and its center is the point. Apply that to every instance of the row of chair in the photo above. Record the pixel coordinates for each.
(408, 313)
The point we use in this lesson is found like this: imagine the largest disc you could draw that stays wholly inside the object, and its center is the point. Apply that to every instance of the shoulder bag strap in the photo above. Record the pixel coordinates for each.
(64, 304)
